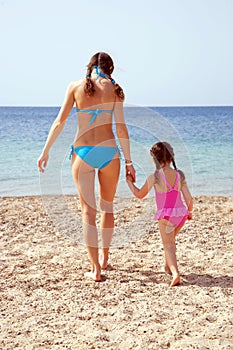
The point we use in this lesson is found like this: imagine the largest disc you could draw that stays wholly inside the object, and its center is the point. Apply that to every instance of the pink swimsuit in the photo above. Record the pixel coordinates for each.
(170, 205)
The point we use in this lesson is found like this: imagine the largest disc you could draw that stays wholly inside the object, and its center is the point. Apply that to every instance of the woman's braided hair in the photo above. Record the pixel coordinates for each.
(105, 62)
(162, 152)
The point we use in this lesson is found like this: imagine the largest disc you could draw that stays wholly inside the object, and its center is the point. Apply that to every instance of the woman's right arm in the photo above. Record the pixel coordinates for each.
(123, 136)
(57, 127)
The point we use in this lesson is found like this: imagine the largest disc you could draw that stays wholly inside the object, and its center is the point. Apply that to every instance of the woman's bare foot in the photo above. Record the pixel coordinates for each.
(94, 274)
(175, 280)
(167, 269)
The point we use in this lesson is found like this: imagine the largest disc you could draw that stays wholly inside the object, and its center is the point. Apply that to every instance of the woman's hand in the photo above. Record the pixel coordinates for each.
(42, 162)
(130, 171)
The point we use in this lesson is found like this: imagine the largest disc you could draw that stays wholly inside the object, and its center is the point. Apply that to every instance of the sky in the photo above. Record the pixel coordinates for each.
(165, 52)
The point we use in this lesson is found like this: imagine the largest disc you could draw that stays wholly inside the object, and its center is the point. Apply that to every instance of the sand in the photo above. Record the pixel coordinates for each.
(47, 303)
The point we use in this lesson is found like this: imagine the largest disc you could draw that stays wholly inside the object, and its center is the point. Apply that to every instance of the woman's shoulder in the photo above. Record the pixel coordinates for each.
(76, 83)
(75, 87)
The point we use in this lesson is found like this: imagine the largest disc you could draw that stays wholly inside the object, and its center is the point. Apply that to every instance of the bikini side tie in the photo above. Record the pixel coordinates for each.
(71, 151)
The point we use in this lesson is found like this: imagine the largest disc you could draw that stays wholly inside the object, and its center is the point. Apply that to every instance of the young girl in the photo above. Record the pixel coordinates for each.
(171, 212)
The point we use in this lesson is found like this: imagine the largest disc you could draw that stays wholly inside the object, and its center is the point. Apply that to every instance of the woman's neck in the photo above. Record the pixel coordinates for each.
(97, 72)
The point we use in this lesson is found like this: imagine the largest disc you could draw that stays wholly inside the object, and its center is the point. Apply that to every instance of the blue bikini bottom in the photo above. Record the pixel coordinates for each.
(96, 156)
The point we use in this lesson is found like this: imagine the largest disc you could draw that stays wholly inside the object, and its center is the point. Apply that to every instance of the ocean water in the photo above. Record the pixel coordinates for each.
(201, 138)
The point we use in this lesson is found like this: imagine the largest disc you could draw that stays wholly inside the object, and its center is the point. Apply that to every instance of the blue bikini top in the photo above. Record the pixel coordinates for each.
(98, 71)
(97, 112)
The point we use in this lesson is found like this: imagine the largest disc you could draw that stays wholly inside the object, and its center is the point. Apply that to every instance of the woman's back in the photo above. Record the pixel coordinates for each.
(95, 112)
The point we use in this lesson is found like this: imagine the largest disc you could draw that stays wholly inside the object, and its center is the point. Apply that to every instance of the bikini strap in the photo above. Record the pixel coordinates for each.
(165, 180)
(94, 113)
(167, 183)
(177, 180)
(99, 73)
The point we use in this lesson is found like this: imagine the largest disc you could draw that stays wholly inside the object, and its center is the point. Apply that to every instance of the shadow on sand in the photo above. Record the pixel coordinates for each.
(206, 280)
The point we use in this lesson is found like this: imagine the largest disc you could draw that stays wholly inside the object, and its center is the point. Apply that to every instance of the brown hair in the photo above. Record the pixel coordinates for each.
(162, 152)
(105, 62)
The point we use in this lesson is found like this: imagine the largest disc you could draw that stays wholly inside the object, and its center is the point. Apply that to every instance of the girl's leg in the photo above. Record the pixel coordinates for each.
(166, 267)
(108, 179)
(169, 246)
(177, 230)
(84, 178)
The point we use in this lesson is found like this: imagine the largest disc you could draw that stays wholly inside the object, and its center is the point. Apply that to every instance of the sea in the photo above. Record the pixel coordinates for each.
(202, 139)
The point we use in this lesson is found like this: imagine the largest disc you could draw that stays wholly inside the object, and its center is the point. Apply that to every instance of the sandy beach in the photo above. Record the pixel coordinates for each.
(47, 303)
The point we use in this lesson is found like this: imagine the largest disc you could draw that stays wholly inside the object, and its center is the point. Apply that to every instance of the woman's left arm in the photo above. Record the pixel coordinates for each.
(57, 126)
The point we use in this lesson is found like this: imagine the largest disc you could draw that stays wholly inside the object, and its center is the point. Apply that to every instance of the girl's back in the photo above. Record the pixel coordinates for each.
(170, 175)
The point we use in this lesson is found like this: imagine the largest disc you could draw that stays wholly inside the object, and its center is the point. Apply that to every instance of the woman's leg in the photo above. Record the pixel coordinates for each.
(168, 239)
(108, 180)
(84, 178)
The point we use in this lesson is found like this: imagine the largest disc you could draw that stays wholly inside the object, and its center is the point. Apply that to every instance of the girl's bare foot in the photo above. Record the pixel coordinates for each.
(94, 274)
(103, 262)
(175, 280)
(167, 269)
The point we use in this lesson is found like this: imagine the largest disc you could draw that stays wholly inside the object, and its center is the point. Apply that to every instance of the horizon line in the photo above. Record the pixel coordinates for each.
(126, 105)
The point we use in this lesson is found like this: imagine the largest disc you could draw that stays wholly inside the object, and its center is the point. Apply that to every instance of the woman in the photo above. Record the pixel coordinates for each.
(97, 98)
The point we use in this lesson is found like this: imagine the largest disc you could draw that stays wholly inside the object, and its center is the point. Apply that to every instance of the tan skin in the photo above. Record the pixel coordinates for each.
(168, 232)
(99, 133)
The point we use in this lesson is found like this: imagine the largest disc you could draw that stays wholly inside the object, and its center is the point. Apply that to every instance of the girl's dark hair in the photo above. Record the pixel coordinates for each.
(162, 152)
(105, 62)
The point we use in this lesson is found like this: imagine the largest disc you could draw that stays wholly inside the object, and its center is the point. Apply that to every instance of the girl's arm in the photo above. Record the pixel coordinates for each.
(57, 127)
(188, 198)
(123, 136)
(144, 190)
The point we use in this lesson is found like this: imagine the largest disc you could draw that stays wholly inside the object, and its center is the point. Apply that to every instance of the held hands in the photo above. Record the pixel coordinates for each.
(129, 178)
(130, 181)
(130, 173)
(42, 162)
